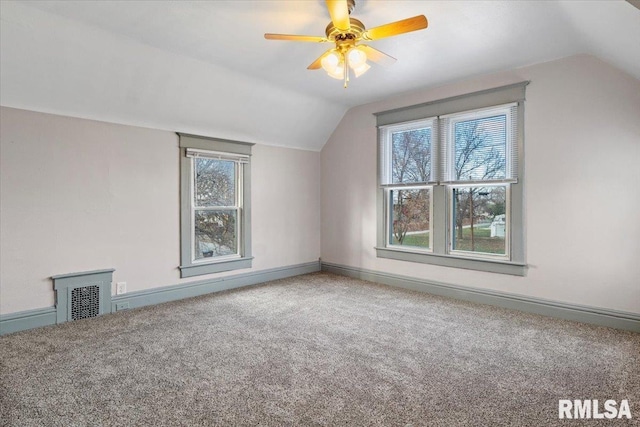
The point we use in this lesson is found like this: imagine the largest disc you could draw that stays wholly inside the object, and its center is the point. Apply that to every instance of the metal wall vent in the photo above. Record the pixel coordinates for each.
(85, 302)
(82, 295)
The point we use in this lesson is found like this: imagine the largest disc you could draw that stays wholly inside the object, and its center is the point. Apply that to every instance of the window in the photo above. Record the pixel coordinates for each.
(215, 213)
(451, 182)
(407, 170)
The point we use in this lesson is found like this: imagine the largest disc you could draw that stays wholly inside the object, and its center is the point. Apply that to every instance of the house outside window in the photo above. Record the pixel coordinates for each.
(215, 205)
(450, 182)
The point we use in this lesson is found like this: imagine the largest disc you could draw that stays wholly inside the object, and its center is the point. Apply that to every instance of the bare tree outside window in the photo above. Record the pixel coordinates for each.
(214, 182)
(411, 163)
(411, 156)
(216, 213)
(450, 184)
(480, 155)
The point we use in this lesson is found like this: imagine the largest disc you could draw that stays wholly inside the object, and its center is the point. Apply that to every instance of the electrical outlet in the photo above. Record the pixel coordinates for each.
(121, 288)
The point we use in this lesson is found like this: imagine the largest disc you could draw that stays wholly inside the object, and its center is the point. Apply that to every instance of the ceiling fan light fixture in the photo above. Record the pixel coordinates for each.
(346, 32)
(331, 61)
(337, 72)
(356, 57)
(360, 70)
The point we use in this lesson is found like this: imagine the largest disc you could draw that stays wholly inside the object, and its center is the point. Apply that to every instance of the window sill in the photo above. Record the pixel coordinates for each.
(215, 267)
(488, 265)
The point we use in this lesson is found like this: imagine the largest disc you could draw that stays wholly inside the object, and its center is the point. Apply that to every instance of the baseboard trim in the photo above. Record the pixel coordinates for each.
(203, 287)
(30, 319)
(579, 313)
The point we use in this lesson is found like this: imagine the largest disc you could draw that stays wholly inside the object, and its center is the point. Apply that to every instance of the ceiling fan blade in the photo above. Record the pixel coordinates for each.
(399, 27)
(376, 56)
(317, 64)
(339, 11)
(295, 38)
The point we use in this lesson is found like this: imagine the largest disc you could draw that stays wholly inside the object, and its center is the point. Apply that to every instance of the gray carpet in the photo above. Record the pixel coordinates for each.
(318, 349)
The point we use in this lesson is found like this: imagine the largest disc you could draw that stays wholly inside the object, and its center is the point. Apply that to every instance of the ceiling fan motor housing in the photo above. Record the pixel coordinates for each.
(354, 33)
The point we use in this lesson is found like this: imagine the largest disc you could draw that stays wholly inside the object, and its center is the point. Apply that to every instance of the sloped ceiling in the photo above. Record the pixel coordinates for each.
(205, 68)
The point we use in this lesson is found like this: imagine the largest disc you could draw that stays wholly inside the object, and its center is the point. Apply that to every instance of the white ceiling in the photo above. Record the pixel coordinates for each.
(204, 67)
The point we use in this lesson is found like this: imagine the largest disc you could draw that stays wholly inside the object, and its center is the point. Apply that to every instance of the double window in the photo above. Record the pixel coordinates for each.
(215, 214)
(450, 184)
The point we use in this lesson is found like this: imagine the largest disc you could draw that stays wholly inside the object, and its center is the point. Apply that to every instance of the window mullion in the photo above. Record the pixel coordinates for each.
(439, 219)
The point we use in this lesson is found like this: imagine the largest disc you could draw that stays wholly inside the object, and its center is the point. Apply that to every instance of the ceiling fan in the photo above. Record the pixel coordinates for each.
(347, 33)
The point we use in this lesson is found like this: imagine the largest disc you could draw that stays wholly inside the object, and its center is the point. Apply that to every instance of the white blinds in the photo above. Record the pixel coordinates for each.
(239, 158)
(479, 146)
(470, 147)
(384, 156)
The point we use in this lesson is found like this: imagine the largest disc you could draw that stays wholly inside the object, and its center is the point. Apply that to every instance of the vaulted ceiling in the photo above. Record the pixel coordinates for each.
(205, 68)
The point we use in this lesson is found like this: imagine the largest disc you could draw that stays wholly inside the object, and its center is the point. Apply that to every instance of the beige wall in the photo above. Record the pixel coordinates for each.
(582, 188)
(80, 195)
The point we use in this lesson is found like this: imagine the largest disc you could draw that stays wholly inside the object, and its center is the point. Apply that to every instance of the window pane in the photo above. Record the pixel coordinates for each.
(479, 219)
(411, 155)
(215, 182)
(410, 217)
(215, 233)
(481, 149)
